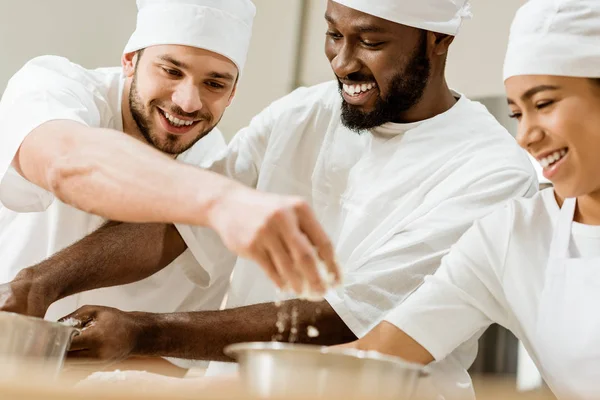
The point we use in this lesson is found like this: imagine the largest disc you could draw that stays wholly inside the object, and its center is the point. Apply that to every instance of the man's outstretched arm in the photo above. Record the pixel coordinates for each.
(115, 254)
(114, 335)
(113, 175)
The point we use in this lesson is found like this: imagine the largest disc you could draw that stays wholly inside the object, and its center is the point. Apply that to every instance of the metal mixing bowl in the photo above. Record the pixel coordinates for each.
(28, 344)
(278, 369)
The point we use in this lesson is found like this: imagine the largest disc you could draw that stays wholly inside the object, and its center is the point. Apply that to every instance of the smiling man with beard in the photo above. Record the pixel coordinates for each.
(173, 141)
(405, 89)
(396, 165)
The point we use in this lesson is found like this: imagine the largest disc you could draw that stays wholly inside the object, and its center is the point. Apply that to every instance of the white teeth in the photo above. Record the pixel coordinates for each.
(356, 89)
(176, 121)
(552, 158)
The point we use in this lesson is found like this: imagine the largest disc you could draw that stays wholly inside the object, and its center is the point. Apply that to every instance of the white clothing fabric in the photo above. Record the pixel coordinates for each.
(568, 336)
(506, 270)
(443, 16)
(555, 37)
(34, 225)
(220, 26)
(393, 200)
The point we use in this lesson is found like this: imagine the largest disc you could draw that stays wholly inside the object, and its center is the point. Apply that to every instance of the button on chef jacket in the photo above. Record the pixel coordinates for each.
(34, 225)
(393, 200)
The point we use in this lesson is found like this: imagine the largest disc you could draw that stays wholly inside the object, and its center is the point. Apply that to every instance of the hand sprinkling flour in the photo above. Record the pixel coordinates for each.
(328, 279)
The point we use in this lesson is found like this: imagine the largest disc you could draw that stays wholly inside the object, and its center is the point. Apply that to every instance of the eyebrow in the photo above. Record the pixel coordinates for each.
(359, 28)
(222, 75)
(179, 64)
(533, 91)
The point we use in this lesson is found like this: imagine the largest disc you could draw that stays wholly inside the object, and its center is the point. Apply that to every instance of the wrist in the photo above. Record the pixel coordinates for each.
(145, 330)
(214, 203)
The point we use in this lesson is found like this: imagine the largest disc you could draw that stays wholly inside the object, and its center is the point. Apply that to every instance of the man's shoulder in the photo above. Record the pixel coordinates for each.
(522, 221)
(484, 140)
(59, 73)
(206, 150)
(319, 98)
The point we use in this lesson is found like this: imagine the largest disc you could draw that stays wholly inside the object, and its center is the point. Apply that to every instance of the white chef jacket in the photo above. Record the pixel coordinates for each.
(393, 200)
(495, 273)
(34, 225)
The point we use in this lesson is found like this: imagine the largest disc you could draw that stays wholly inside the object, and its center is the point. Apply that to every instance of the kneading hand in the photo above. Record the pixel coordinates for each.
(106, 335)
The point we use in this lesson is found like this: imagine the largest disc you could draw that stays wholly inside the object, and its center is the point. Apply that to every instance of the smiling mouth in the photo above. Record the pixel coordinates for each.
(550, 160)
(358, 89)
(176, 122)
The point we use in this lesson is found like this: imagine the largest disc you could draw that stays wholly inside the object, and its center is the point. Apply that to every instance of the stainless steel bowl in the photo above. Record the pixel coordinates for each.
(277, 369)
(32, 345)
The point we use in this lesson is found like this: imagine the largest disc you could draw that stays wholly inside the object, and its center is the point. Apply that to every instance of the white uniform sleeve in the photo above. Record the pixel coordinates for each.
(466, 294)
(394, 270)
(38, 93)
(241, 161)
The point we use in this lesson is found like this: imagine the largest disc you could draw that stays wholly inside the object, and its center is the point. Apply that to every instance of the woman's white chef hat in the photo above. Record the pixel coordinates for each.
(555, 37)
(220, 26)
(443, 16)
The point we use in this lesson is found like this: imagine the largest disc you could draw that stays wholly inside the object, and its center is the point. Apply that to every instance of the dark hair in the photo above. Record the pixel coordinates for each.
(596, 81)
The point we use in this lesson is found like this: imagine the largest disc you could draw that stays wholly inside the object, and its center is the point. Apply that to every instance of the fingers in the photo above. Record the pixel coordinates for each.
(305, 261)
(263, 258)
(86, 340)
(282, 260)
(83, 359)
(288, 242)
(319, 239)
(81, 316)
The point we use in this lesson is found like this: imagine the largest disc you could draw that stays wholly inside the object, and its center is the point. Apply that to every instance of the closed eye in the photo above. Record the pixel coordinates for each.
(172, 72)
(543, 104)
(371, 44)
(215, 85)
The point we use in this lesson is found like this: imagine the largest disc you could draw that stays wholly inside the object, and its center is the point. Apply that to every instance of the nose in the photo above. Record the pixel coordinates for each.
(187, 97)
(529, 132)
(345, 62)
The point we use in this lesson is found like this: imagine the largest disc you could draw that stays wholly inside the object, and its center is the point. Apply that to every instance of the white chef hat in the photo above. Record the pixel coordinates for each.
(220, 26)
(443, 16)
(555, 37)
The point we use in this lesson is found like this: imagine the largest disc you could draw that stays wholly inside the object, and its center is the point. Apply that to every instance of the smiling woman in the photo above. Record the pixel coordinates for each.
(558, 119)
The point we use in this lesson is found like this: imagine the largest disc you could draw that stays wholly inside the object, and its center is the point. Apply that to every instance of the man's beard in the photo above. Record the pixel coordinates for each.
(405, 90)
(171, 143)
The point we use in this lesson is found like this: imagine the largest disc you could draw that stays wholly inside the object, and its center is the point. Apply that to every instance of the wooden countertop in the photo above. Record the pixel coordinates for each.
(169, 386)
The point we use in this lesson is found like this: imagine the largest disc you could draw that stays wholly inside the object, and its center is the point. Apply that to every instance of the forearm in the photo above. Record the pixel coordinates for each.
(203, 335)
(113, 175)
(115, 254)
(386, 338)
